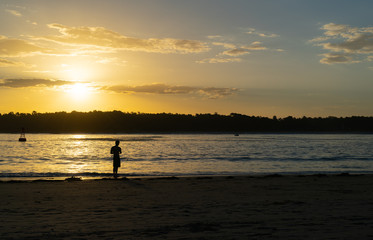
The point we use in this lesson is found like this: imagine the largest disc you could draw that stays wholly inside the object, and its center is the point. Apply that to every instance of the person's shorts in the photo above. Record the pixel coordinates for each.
(116, 163)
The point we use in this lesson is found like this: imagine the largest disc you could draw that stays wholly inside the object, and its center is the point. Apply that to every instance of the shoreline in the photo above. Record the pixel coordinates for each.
(78, 177)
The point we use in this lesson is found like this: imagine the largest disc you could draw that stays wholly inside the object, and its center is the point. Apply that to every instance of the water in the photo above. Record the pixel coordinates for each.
(61, 155)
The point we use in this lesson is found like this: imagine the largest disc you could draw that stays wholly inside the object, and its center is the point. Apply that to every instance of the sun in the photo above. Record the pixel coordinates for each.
(79, 91)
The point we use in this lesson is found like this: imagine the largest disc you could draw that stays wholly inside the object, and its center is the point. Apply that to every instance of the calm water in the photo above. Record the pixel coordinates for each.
(58, 155)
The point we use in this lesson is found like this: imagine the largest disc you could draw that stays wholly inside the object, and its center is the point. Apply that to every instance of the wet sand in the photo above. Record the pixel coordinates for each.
(240, 207)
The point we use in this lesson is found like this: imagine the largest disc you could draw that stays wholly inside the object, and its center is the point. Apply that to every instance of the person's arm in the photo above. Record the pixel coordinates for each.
(111, 151)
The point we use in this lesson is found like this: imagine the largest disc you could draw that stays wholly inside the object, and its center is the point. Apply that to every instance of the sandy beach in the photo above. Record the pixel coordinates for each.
(240, 207)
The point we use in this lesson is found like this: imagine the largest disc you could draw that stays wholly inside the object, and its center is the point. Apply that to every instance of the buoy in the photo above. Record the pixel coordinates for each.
(22, 138)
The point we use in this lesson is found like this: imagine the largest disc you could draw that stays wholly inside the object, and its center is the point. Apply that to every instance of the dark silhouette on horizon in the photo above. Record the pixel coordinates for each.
(22, 138)
(130, 122)
(116, 151)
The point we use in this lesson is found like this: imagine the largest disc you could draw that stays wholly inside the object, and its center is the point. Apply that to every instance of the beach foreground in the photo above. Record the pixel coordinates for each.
(240, 207)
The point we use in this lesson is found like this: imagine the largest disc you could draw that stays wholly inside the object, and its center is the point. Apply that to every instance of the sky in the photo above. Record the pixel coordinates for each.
(255, 57)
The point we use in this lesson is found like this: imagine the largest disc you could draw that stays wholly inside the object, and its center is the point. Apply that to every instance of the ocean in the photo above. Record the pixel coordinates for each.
(88, 155)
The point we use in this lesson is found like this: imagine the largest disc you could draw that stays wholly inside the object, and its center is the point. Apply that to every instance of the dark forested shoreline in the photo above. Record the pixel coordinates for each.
(129, 122)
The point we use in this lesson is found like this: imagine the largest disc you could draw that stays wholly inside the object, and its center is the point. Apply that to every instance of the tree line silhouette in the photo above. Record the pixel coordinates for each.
(131, 122)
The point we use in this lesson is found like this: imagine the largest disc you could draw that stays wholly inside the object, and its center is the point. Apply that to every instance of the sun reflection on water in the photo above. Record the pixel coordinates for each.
(78, 136)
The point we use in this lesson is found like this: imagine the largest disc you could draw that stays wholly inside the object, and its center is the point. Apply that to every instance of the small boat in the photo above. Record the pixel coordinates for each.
(22, 138)
(236, 134)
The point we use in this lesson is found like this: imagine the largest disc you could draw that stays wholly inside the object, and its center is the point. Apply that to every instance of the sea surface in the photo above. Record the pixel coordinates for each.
(88, 155)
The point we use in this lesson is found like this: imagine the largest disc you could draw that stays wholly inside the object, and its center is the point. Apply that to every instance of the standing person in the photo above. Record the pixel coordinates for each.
(116, 150)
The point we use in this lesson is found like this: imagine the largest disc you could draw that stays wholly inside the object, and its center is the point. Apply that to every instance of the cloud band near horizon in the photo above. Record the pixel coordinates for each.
(155, 88)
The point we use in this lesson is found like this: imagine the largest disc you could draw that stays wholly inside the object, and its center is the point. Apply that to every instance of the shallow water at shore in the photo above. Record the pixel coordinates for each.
(88, 155)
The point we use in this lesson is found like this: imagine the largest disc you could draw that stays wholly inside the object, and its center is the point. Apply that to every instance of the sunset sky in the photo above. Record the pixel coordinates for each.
(262, 57)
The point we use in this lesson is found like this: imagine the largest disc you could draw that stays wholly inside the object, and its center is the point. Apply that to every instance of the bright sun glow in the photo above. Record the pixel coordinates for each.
(79, 91)
(76, 73)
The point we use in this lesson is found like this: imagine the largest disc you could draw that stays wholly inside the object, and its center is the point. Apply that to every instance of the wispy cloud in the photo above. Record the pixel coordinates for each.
(253, 31)
(156, 88)
(236, 48)
(105, 38)
(160, 88)
(17, 48)
(255, 46)
(9, 63)
(236, 52)
(346, 44)
(24, 83)
(38, 71)
(219, 60)
(113, 60)
(244, 49)
(14, 12)
(33, 23)
(331, 58)
(225, 45)
(214, 36)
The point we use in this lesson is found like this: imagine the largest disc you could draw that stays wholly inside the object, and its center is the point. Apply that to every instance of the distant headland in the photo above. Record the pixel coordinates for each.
(132, 122)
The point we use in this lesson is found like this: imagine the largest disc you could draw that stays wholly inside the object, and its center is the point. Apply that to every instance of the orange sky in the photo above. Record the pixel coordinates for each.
(274, 58)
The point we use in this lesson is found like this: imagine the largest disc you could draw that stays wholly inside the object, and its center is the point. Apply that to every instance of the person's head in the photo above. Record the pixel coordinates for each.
(117, 142)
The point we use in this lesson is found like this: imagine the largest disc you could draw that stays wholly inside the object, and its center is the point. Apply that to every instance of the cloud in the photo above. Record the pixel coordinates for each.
(332, 29)
(253, 31)
(346, 42)
(156, 88)
(331, 58)
(214, 93)
(243, 50)
(17, 48)
(272, 35)
(233, 51)
(33, 23)
(14, 12)
(24, 83)
(225, 45)
(112, 61)
(105, 38)
(219, 60)
(38, 71)
(160, 88)
(214, 36)
(236, 52)
(255, 46)
(319, 39)
(8, 63)
(360, 44)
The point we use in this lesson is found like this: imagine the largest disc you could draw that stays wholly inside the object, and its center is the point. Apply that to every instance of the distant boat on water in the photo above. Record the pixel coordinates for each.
(22, 138)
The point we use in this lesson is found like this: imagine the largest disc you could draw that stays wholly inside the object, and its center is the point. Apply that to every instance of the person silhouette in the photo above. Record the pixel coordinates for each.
(116, 150)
